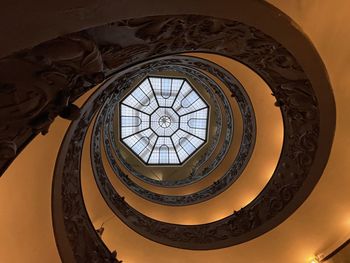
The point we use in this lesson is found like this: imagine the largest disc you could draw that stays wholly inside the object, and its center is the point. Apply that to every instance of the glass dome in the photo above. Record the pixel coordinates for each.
(164, 120)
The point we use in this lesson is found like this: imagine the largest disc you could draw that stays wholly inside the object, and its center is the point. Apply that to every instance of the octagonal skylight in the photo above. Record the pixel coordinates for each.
(163, 121)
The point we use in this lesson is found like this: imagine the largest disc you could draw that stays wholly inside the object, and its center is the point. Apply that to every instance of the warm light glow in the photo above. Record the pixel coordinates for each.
(246, 199)
(314, 260)
(347, 221)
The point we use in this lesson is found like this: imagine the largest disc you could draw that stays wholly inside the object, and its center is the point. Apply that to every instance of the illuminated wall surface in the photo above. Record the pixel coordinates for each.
(317, 228)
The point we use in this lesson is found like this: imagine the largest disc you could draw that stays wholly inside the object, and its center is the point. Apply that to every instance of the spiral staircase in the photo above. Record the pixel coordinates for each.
(175, 132)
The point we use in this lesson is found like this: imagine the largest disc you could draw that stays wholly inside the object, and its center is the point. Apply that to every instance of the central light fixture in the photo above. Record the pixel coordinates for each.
(164, 120)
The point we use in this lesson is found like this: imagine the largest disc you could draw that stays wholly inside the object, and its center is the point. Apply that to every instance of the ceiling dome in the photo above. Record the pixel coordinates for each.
(164, 121)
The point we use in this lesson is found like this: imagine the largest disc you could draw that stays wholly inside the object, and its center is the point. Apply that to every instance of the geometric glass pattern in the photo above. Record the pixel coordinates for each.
(163, 121)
